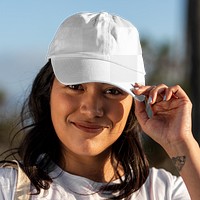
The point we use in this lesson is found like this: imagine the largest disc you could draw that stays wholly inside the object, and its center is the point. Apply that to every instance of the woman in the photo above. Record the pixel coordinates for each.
(81, 121)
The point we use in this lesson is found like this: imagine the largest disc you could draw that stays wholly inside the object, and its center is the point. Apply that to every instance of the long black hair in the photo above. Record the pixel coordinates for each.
(40, 144)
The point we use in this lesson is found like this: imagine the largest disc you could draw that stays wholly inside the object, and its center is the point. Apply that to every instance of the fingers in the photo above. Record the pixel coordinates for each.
(163, 103)
(157, 94)
(140, 112)
(160, 92)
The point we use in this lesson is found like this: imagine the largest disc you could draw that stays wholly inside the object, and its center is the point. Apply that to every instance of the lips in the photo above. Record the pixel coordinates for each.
(89, 127)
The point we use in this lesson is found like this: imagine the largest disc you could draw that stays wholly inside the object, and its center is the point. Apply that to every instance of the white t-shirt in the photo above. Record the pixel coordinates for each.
(160, 185)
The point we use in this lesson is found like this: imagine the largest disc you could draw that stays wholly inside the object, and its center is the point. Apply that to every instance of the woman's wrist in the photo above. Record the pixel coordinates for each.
(185, 151)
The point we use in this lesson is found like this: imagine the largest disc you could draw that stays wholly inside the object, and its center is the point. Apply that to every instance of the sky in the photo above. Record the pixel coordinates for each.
(28, 26)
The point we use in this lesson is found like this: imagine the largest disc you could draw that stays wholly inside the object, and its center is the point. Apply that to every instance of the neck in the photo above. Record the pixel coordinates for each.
(97, 168)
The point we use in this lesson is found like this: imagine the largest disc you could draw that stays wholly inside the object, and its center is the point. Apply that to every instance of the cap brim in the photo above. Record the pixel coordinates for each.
(71, 71)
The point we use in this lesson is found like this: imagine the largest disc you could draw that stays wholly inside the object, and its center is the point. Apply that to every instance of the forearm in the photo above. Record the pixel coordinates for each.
(186, 157)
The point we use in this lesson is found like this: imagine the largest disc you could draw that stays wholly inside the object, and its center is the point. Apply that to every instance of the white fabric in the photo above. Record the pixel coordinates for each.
(160, 185)
(8, 178)
(97, 47)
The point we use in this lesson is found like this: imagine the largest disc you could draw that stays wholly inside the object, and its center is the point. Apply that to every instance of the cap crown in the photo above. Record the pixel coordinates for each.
(99, 36)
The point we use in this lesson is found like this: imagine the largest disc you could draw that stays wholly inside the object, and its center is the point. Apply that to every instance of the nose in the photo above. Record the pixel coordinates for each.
(92, 105)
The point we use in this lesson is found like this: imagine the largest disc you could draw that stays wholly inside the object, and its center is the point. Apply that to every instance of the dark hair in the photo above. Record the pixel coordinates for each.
(40, 145)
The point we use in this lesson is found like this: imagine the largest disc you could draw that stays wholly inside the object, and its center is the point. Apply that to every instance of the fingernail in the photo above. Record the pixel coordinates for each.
(149, 100)
(140, 98)
(136, 88)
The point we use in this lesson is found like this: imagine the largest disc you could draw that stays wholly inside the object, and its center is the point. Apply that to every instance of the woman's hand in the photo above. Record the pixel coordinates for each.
(170, 121)
(170, 126)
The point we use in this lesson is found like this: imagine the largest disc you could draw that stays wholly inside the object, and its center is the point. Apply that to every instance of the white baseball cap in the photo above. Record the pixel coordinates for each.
(97, 47)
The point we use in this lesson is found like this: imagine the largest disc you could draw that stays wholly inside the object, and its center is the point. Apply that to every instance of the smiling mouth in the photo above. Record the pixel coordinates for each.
(89, 128)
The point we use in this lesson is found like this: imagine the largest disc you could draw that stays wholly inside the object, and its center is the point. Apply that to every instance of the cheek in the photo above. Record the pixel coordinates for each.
(61, 106)
(115, 112)
(119, 114)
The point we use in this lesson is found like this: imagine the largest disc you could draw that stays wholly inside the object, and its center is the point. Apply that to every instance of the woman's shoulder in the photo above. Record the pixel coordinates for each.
(168, 184)
(162, 176)
(162, 173)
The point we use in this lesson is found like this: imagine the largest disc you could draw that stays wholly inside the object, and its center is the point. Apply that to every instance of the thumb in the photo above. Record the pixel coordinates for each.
(141, 113)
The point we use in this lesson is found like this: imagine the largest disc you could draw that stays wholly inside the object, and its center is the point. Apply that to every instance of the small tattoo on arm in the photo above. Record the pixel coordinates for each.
(179, 162)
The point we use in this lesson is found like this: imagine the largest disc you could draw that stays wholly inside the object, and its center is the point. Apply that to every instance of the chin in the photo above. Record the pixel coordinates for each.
(88, 151)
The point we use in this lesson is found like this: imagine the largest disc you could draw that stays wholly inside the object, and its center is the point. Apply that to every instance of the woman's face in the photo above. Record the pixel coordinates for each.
(88, 118)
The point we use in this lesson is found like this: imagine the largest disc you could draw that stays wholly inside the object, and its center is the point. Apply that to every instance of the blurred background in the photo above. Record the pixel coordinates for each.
(169, 31)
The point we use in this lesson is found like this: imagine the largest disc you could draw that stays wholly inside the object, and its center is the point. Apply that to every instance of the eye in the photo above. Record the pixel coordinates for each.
(113, 91)
(75, 87)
